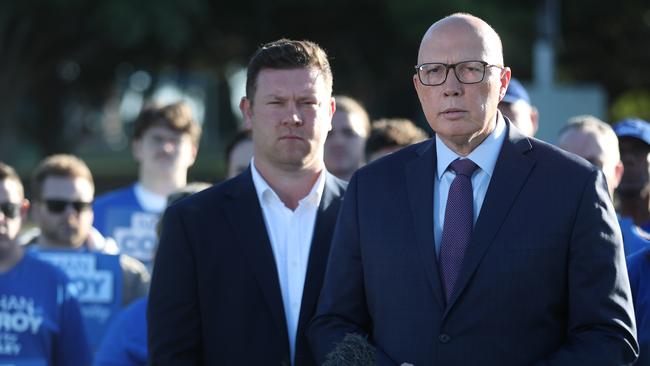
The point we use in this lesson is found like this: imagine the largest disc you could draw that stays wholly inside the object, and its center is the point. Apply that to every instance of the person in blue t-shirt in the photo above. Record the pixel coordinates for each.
(62, 195)
(40, 320)
(125, 342)
(165, 144)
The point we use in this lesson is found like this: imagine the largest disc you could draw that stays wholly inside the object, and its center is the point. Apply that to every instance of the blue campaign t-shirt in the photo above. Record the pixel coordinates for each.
(119, 215)
(97, 279)
(633, 238)
(125, 343)
(40, 321)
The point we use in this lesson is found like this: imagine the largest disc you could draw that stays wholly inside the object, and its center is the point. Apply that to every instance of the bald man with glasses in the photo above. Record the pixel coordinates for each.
(479, 246)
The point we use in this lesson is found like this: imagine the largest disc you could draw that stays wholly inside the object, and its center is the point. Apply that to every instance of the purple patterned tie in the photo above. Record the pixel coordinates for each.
(459, 222)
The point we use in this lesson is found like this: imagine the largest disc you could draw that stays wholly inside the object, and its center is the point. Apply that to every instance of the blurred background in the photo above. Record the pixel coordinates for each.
(75, 73)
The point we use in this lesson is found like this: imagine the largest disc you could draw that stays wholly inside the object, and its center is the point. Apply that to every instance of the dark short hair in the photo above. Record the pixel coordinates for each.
(287, 54)
(176, 116)
(393, 132)
(9, 173)
(59, 165)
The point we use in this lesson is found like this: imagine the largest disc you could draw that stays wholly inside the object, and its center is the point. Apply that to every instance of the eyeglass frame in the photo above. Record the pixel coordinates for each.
(453, 66)
(78, 206)
(10, 210)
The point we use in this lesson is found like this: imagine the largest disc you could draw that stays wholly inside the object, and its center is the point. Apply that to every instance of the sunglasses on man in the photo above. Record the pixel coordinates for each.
(10, 210)
(58, 206)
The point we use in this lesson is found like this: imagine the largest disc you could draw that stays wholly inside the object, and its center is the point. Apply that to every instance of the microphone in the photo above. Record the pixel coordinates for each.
(353, 350)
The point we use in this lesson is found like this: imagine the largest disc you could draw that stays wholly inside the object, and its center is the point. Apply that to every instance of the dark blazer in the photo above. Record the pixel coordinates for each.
(215, 296)
(543, 280)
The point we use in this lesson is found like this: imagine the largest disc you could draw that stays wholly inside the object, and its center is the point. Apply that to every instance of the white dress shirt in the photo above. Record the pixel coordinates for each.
(290, 233)
(484, 155)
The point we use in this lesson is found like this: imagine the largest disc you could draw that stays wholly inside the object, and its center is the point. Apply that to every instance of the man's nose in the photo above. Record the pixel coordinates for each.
(292, 116)
(451, 86)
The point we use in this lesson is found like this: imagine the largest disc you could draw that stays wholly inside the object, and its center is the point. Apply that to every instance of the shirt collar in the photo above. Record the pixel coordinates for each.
(266, 194)
(484, 155)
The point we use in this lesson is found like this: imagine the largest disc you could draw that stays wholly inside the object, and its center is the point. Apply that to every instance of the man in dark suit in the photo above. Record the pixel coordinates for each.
(240, 266)
(480, 246)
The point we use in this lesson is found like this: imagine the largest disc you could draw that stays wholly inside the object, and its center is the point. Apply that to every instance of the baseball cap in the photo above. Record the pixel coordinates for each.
(633, 127)
(516, 92)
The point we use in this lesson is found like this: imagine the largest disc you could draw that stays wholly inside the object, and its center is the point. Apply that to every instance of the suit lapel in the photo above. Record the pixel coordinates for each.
(320, 247)
(510, 174)
(419, 183)
(244, 213)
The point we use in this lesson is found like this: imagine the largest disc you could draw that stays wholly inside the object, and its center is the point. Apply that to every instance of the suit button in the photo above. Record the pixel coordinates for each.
(444, 338)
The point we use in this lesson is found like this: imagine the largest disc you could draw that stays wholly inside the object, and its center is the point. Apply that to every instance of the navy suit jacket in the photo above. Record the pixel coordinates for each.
(215, 296)
(543, 280)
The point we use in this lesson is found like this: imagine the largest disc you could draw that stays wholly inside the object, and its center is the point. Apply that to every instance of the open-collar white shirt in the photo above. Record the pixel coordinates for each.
(484, 155)
(290, 233)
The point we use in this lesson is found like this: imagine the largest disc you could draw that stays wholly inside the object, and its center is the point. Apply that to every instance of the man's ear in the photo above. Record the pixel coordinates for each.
(246, 108)
(506, 74)
(618, 174)
(24, 208)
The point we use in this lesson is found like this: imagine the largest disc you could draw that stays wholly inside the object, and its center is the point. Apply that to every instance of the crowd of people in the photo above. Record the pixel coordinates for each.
(336, 239)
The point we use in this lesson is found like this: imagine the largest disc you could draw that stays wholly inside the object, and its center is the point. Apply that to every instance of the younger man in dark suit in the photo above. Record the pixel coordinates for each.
(240, 266)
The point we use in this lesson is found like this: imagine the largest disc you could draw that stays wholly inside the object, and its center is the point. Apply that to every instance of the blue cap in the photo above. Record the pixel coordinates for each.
(516, 92)
(633, 127)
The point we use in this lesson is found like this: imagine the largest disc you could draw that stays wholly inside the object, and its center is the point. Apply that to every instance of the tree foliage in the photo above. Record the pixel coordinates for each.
(57, 52)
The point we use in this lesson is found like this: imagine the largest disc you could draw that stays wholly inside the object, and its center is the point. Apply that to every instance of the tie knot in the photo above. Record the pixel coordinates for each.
(464, 167)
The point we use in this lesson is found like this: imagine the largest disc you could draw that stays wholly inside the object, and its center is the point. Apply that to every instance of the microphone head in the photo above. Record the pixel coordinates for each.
(353, 350)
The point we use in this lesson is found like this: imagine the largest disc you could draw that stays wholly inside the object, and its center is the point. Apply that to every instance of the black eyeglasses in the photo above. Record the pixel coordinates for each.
(58, 206)
(467, 72)
(10, 210)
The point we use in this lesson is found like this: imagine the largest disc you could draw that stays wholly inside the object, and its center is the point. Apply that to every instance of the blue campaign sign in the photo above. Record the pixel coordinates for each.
(39, 317)
(97, 280)
(134, 232)
(22, 325)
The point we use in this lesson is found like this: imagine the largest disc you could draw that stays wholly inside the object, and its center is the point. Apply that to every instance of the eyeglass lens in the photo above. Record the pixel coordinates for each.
(10, 210)
(468, 72)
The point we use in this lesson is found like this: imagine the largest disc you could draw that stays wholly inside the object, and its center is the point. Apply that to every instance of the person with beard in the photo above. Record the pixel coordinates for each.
(40, 318)
(165, 144)
(344, 147)
(62, 196)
